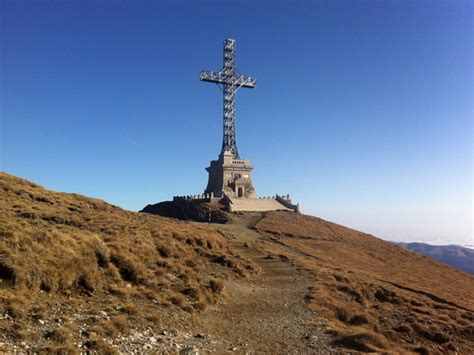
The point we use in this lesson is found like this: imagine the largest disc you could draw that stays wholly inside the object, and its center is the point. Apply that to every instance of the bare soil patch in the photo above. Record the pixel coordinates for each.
(266, 313)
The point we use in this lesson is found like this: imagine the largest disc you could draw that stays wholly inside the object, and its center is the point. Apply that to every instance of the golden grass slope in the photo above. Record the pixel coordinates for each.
(65, 255)
(375, 295)
(66, 259)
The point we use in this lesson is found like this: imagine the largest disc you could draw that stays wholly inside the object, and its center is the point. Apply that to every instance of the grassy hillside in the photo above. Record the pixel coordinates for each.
(74, 269)
(79, 274)
(375, 295)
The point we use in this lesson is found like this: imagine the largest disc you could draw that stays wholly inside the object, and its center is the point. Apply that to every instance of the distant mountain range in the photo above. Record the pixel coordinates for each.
(455, 255)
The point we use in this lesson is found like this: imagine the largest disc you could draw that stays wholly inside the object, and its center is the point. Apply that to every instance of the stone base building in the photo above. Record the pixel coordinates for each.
(231, 177)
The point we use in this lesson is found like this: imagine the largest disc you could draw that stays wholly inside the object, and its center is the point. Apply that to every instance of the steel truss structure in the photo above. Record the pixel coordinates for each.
(231, 81)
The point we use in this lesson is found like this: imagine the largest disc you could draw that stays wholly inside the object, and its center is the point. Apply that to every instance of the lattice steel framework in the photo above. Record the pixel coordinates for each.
(231, 81)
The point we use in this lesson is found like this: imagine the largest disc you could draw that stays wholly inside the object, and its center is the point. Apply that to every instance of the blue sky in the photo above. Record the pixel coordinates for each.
(362, 111)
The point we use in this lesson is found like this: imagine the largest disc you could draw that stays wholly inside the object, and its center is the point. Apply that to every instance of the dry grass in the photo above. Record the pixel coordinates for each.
(75, 268)
(64, 254)
(375, 296)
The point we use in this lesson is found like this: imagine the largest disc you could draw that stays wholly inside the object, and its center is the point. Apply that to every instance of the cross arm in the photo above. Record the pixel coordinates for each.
(212, 77)
(246, 82)
(221, 78)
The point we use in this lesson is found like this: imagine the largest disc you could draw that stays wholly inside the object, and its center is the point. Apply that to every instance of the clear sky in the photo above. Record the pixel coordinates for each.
(362, 111)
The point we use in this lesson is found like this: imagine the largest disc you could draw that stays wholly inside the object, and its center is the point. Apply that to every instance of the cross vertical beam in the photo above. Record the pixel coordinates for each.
(229, 142)
(231, 82)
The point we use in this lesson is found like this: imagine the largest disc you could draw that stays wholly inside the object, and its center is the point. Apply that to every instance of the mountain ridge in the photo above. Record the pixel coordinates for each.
(78, 274)
(454, 255)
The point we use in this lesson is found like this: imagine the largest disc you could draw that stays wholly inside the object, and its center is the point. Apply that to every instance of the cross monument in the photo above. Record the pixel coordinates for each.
(229, 175)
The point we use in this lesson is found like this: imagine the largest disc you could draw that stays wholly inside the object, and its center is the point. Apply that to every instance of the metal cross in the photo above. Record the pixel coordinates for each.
(231, 82)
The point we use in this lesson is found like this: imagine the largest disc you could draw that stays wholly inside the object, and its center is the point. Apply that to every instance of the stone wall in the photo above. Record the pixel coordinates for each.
(285, 200)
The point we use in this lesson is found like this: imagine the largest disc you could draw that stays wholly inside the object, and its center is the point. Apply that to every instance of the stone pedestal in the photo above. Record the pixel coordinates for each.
(231, 177)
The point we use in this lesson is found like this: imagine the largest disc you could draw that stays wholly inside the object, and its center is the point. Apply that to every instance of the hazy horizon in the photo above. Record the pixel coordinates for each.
(362, 111)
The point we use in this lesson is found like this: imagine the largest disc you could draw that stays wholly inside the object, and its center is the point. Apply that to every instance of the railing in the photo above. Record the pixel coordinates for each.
(286, 201)
(200, 197)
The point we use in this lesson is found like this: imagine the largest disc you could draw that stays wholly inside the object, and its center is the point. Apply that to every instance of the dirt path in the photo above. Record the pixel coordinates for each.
(265, 313)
